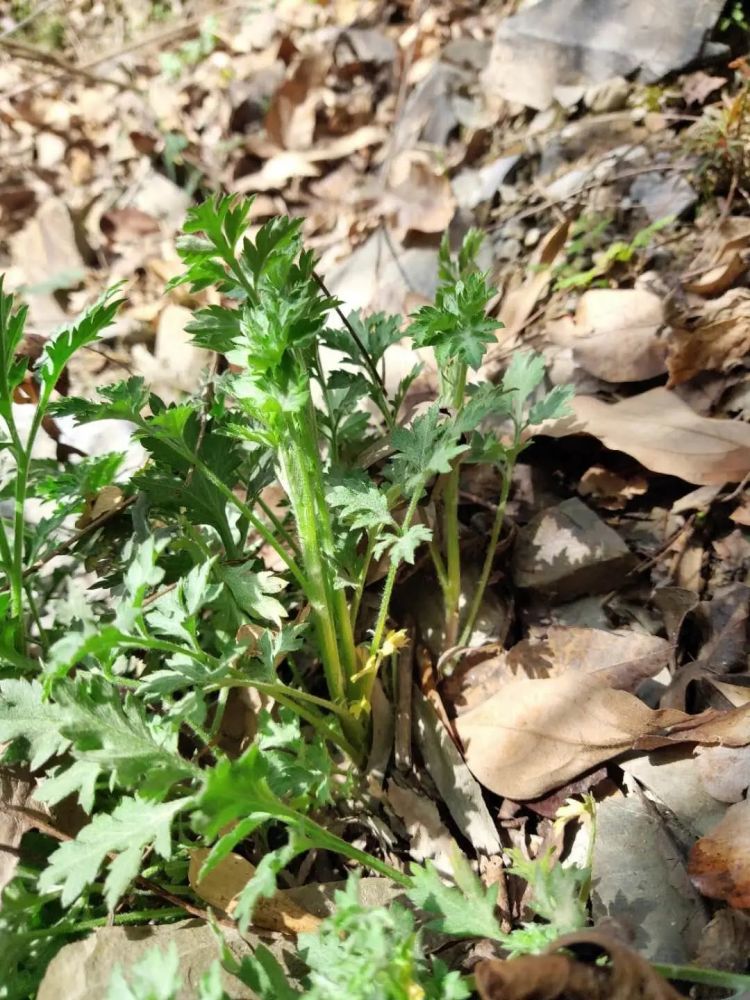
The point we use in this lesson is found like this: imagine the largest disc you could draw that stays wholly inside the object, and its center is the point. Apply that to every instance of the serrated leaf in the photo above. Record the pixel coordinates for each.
(361, 505)
(156, 976)
(61, 347)
(484, 401)
(263, 883)
(404, 546)
(126, 832)
(457, 326)
(24, 714)
(428, 446)
(121, 401)
(466, 909)
(554, 405)
(253, 591)
(523, 375)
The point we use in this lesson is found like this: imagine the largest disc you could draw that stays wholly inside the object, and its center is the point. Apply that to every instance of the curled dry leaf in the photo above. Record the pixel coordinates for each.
(661, 432)
(719, 864)
(17, 809)
(721, 259)
(615, 334)
(717, 339)
(561, 977)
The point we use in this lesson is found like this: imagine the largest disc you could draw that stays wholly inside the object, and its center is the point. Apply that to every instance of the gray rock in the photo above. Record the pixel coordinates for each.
(612, 95)
(639, 879)
(661, 196)
(568, 42)
(567, 551)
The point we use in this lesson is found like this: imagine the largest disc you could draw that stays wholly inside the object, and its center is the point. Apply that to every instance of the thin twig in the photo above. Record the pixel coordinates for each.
(32, 54)
(28, 19)
(353, 334)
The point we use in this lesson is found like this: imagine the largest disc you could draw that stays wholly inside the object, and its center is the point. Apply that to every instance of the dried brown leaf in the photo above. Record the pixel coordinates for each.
(564, 977)
(719, 339)
(661, 432)
(719, 864)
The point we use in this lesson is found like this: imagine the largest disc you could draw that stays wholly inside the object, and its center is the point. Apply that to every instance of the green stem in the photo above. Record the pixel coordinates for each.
(294, 463)
(476, 601)
(710, 977)
(452, 590)
(330, 842)
(138, 917)
(390, 579)
(362, 582)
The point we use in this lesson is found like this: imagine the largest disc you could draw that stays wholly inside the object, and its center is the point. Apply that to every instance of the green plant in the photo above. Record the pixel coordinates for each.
(720, 138)
(190, 53)
(115, 696)
(587, 242)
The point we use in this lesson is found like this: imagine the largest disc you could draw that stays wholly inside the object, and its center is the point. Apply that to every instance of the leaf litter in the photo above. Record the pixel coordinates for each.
(382, 138)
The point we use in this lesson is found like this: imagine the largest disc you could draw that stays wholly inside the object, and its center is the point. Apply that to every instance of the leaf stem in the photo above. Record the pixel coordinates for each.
(489, 558)
(390, 579)
(709, 977)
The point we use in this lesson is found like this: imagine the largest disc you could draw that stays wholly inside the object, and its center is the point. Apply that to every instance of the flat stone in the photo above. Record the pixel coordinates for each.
(568, 42)
(661, 196)
(567, 551)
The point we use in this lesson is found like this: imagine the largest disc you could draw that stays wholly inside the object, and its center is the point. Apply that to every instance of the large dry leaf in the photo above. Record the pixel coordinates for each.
(290, 120)
(619, 659)
(535, 735)
(719, 863)
(717, 339)
(566, 977)
(616, 334)
(665, 435)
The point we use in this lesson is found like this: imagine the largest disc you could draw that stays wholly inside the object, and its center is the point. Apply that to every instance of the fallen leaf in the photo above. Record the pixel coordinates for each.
(608, 489)
(223, 884)
(428, 837)
(176, 364)
(619, 659)
(627, 976)
(535, 735)
(17, 809)
(290, 120)
(721, 258)
(719, 864)
(123, 224)
(518, 304)
(724, 771)
(696, 87)
(615, 334)
(419, 198)
(661, 432)
(719, 338)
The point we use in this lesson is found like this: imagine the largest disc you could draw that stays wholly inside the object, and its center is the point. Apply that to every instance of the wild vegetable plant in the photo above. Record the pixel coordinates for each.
(114, 685)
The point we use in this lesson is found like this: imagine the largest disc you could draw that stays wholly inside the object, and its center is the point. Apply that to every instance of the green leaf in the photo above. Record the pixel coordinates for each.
(61, 347)
(552, 406)
(236, 789)
(361, 505)
(121, 401)
(91, 720)
(24, 714)
(428, 446)
(263, 883)
(457, 326)
(215, 328)
(485, 400)
(253, 591)
(523, 375)
(296, 768)
(264, 975)
(403, 547)
(127, 831)
(156, 976)
(466, 909)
